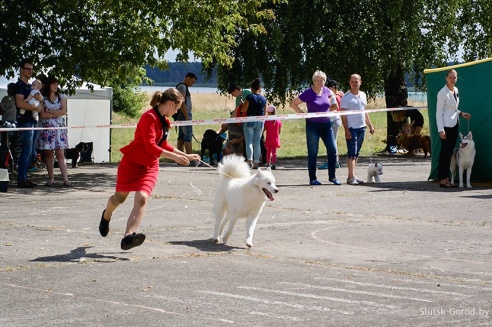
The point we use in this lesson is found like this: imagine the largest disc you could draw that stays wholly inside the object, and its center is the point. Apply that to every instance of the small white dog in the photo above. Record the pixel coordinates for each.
(240, 195)
(373, 172)
(463, 159)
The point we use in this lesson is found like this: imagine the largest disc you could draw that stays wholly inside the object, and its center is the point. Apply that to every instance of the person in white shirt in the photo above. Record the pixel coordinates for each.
(355, 125)
(447, 115)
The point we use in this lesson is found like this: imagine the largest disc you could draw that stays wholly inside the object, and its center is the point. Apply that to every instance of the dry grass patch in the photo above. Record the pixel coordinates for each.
(293, 138)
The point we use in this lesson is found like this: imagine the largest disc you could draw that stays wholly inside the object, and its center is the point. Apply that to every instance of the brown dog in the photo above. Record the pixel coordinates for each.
(414, 142)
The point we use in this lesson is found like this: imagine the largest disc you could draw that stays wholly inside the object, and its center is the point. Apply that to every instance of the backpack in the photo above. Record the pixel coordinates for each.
(175, 116)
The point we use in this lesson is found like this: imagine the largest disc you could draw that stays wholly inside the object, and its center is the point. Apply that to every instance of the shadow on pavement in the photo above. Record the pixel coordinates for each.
(77, 254)
(205, 245)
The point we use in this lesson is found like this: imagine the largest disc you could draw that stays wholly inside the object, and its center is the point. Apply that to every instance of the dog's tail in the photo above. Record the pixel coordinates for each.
(234, 166)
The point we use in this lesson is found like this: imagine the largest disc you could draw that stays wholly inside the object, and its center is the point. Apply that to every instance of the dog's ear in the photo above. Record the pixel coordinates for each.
(470, 136)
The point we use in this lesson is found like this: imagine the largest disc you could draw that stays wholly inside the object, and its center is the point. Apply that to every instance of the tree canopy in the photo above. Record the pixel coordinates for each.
(382, 40)
(109, 41)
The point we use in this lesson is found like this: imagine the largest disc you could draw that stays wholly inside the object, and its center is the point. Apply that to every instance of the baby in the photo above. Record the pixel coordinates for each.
(36, 89)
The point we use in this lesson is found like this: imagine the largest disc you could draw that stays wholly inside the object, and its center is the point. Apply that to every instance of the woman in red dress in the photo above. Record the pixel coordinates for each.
(139, 167)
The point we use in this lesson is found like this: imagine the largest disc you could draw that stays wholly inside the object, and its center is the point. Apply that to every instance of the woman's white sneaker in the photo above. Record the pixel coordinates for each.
(352, 181)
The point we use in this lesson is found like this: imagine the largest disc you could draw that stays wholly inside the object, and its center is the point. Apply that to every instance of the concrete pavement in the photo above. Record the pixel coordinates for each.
(401, 253)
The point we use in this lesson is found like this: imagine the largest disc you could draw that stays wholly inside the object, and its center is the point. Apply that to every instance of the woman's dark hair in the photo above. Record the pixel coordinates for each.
(156, 98)
(11, 89)
(332, 83)
(171, 94)
(451, 71)
(255, 85)
(46, 88)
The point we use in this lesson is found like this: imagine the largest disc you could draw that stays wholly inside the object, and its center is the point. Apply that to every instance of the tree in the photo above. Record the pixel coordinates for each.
(382, 40)
(109, 41)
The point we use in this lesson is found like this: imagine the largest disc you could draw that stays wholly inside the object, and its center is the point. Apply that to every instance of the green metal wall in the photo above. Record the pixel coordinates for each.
(475, 88)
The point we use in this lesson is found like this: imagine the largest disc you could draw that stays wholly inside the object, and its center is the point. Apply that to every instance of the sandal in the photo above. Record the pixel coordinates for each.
(132, 240)
(67, 184)
(50, 183)
(445, 184)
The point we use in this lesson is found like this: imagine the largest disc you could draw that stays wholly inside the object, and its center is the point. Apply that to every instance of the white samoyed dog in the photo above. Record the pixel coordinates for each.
(463, 159)
(240, 194)
(373, 172)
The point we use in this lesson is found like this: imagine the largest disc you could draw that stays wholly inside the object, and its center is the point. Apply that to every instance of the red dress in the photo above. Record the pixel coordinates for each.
(139, 167)
(272, 130)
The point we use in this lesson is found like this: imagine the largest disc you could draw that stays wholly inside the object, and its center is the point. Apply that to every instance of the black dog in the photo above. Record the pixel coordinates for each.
(213, 143)
(74, 153)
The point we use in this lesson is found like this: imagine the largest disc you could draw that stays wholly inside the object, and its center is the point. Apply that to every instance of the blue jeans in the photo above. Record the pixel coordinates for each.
(26, 138)
(34, 153)
(315, 131)
(355, 143)
(252, 140)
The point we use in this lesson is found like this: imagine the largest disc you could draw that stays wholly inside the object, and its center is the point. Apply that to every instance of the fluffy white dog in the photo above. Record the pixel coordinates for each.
(240, 195)
(463, 159)
(373, 172)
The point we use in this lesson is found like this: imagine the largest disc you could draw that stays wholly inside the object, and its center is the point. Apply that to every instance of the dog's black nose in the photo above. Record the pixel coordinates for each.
(276, 191)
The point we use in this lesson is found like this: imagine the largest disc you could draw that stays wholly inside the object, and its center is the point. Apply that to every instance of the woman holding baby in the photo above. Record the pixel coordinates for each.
(447, 115)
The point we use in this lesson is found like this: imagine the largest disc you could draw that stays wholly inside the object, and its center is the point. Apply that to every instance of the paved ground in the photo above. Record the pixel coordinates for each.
(401, 253)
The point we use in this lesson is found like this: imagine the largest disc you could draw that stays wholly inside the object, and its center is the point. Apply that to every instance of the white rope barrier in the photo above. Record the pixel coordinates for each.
(232, 120)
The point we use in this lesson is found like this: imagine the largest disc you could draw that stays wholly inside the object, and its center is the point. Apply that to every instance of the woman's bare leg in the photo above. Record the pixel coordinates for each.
(113, 202)
(62, 163)
(48, 157)
(137, 212)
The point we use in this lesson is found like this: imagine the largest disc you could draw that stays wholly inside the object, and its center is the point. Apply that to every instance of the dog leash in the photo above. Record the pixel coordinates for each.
(220, 171)
(197, 190)
(370, 151)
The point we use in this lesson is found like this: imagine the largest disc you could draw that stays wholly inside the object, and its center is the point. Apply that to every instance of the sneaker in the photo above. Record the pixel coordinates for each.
(32, 169)
(324, 166)
(358, 180)
(335, 181)
(315, 182)
(352, 181)
(132, 240)
(337, 165)
(393, 149)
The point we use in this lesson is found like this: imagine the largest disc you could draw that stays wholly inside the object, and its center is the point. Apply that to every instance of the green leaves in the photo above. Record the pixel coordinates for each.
(377, 39)
(108, 41)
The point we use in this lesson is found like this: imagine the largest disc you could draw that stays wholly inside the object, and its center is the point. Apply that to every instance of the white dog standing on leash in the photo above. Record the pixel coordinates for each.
(373, 172)
(463, 159)
(240, 195)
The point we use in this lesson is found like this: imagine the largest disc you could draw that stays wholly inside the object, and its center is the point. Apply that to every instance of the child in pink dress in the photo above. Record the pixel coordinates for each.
(272, 140)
